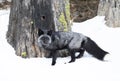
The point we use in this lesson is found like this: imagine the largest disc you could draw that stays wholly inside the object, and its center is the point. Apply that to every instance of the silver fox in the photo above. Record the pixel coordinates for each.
(73, 42)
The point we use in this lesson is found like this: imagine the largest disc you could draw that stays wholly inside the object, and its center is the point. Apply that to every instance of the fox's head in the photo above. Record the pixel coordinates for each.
(44, 40)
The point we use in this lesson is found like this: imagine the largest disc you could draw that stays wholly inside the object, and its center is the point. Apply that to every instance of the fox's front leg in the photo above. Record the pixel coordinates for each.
(54, 57)
(72, 54)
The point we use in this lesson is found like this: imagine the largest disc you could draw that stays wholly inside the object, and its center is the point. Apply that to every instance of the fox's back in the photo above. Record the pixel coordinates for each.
(67, 35)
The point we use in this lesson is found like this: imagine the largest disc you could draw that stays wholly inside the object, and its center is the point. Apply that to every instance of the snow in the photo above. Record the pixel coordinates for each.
(14, 68)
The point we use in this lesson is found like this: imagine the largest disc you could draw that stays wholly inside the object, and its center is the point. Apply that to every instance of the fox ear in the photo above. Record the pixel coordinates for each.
(50, 32)
(40, 32)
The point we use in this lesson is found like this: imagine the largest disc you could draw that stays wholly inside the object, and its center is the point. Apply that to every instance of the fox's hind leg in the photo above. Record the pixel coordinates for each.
(81, 53)
(72, 54)
(82, 50)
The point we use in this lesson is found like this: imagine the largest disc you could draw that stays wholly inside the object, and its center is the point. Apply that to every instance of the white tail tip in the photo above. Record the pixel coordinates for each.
(107, 57)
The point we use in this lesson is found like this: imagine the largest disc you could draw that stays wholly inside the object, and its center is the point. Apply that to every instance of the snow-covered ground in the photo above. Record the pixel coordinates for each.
(14, 68)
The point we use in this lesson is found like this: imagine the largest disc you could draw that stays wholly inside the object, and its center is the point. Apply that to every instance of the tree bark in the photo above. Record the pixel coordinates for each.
(103, 7)
(28, 17)
(1, 1)
(111, 10)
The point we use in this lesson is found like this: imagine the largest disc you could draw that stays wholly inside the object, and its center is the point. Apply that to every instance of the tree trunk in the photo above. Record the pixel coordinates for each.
(1, 1)
(103, 7)
(28, 17)
(111, 10)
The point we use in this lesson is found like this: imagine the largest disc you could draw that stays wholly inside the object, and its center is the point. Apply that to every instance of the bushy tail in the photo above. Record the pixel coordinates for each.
(91, 47)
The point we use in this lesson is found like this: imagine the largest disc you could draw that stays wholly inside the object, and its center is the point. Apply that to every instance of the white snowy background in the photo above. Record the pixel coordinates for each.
(14, 68)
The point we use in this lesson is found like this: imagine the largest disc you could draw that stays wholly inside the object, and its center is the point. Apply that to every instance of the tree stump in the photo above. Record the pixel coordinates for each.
(29, 17)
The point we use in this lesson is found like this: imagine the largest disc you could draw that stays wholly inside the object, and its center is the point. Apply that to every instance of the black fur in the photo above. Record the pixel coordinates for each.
(91, 47)
(73, 42)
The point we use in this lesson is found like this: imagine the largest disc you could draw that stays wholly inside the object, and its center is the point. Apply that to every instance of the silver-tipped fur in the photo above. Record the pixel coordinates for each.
(44, 40)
